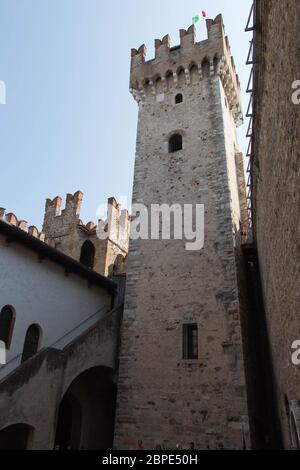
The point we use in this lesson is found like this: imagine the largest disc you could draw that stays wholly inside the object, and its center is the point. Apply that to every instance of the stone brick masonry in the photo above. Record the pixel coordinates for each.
(163, 399)
(276, 193)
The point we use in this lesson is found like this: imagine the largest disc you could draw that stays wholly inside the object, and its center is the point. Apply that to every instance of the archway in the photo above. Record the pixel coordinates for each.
(205, 68)
(16, 437)
(68, 424)
(119, 265)
(87, 255)
(86, 413)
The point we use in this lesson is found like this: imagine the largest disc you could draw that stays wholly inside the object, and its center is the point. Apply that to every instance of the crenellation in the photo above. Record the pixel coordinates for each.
(187, 38)
(53, 206)
(211, 57)
(33, 231)
(90, 226)
(215, 28)
(11, 219)
(162, 48)
(22, 224)
(65, 231)
(73, 202)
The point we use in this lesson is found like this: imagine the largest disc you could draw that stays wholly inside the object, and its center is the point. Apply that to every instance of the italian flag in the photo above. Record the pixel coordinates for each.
(197, 18)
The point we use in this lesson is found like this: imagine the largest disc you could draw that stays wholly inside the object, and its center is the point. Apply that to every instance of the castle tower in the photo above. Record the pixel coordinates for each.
(64, 230)
(182, 375)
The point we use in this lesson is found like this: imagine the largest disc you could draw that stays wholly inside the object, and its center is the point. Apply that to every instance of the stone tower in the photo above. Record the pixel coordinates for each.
(182, 375)
(64, 230)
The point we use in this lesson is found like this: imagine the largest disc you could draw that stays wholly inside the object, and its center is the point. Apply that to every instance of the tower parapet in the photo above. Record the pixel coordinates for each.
(58, 222)
(174, 65)
(56, 219)
(65, 231)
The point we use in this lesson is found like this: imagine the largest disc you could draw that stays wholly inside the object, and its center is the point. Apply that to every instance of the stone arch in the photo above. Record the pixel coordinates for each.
(146, 86)
(194, 73)
(179, 98)
(69, 422)
(159, 85)
(16, 437)
(87, 254)
(7, 322)
(169, 79)
(216, 63)
(175, 142)
(168, 137)
(205, 66)
(119, 264)
(85, 418)
(181, 76)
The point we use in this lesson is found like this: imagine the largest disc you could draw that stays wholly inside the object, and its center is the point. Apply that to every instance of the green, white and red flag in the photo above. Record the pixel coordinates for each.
(198, 17)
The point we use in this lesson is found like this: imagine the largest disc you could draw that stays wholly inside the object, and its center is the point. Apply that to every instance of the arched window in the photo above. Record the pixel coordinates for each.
(178, 98)
(205, 68)
(159, 86)
(175, 143)
(169, 79)
(31, 343)
(87, 256)
(216, 63)
(7, 320)
(119, 264)
(146, 85)
(194, 74)
(181, 76)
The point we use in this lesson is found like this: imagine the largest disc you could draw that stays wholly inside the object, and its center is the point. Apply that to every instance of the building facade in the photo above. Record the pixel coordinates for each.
(276, 197)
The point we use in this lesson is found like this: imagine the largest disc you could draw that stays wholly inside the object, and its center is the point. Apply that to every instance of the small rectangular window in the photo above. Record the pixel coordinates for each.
(190, 341)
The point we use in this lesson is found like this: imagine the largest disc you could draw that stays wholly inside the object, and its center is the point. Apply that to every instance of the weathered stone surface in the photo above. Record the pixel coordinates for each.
(64, 230)
(163, 398)
(276, 190)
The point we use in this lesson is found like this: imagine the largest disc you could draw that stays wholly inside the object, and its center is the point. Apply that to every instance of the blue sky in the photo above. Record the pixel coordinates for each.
(69, 122)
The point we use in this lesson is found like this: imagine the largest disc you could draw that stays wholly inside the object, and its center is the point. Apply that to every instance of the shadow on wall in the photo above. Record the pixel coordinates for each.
(16, 437)
(86, 413)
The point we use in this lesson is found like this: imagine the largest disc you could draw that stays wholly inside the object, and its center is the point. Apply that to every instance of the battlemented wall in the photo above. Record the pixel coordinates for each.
(162, 398)
(276, 190)
(64, 230)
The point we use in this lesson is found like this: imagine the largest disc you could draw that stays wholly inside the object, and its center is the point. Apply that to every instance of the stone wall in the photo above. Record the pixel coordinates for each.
(31, 395)
(63, 305)
(65, 231)
(276, 188)
(164, 399)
